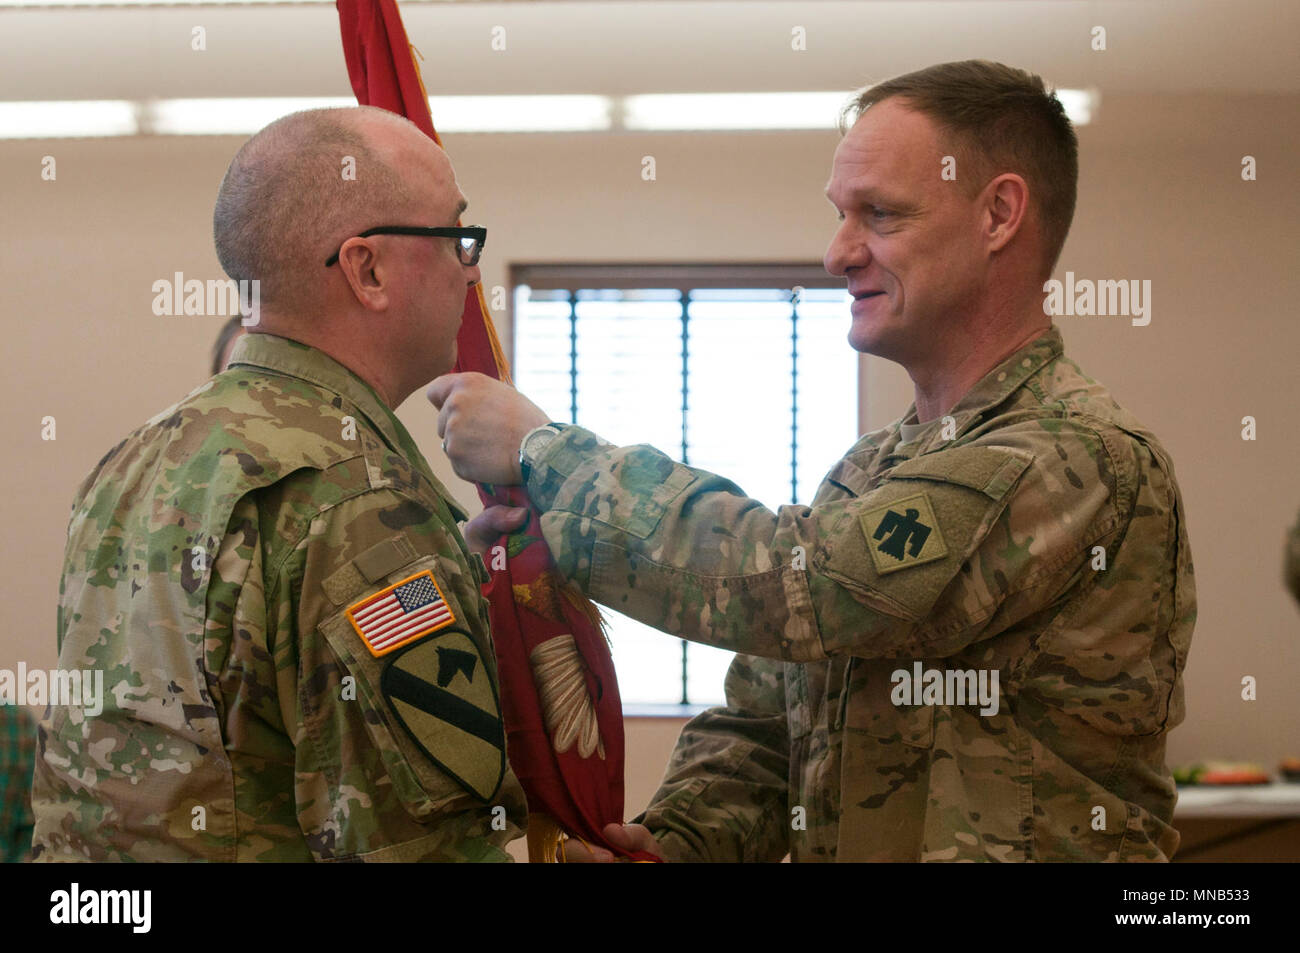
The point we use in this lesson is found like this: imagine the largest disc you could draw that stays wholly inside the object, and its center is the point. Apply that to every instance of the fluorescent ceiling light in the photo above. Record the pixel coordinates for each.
(144, 3)
(1079, 104)
(209, 117)
(723, 111)
(520, 113)
(61, 120)
(228, 117)
(225, 117)
(736, 111)
(454, 114)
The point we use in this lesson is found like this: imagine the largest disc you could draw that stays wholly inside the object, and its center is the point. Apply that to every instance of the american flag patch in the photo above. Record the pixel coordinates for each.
(402, 612)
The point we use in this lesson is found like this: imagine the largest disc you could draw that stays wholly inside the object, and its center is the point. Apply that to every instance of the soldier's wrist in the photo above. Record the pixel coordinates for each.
(533, 446)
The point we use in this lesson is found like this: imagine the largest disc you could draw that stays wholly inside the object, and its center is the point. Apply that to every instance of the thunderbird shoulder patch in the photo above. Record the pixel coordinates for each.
(903, 533)
(398, 615)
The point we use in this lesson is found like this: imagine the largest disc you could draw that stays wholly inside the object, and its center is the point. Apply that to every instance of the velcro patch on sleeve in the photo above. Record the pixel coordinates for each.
(396, 616)
(444, 696)
(903, 534)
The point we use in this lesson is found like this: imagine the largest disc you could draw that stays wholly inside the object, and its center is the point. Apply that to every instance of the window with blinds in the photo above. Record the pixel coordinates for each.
(744, 371)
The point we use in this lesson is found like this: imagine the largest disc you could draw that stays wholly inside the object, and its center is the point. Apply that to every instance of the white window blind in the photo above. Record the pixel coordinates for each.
(710, 365)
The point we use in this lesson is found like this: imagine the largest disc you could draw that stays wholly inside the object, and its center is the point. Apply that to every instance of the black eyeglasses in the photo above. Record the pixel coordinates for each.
(472, 238)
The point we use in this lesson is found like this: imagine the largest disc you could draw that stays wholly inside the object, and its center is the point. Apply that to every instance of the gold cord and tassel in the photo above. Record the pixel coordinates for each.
(546, 840)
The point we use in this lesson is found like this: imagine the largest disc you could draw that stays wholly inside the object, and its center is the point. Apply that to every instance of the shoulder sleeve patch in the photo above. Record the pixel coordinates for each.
(433, 712)
(445, 700)
(903, 533)
(928, 516)
(400, 614)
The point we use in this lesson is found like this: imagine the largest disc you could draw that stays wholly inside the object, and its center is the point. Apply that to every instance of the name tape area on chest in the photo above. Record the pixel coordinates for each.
(903, 534)
(400, 614)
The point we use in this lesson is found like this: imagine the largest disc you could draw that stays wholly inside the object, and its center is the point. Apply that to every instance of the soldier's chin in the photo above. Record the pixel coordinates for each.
(867, 337)
(447, 362)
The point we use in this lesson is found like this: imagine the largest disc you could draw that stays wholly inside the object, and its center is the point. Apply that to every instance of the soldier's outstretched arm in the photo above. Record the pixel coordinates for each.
(917, 564)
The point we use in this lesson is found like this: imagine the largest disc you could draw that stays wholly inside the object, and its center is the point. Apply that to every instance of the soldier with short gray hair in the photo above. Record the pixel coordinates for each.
(1015, 530)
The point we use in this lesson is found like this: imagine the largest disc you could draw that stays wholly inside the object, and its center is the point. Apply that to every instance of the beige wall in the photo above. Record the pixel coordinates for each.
(1160, 198)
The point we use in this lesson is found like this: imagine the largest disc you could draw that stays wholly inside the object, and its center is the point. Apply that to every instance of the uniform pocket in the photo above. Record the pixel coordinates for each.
(870, 708)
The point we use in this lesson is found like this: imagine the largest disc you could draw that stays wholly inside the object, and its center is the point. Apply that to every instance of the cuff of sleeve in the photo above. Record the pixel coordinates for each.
(565, 454)
(672, 847)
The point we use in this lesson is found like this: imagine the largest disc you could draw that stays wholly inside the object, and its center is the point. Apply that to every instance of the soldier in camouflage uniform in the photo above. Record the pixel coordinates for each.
(1016, 522)
(295, 648)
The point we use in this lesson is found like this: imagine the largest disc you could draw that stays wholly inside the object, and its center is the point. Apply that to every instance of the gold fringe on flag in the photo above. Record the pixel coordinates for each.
(544, 840)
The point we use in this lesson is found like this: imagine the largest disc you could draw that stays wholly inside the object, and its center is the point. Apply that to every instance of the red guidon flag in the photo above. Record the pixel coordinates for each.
(559, 696)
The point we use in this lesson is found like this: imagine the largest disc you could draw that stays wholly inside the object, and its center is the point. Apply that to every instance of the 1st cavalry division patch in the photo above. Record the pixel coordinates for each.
(434, 681)
(400, 614)
(903, 534)
(444, 697)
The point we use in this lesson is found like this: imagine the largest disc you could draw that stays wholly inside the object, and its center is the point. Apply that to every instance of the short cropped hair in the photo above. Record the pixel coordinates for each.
(293, 193)
(1000, 119)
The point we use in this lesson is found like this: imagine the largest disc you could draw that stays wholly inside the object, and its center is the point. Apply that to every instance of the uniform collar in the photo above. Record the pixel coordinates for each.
(990, 391)
(295, 359)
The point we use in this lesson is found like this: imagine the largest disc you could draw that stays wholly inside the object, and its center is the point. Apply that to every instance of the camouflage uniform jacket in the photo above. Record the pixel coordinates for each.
(975, 551)
(212, 559)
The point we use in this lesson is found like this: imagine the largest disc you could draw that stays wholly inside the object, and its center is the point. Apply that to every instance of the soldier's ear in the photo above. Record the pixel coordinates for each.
(365, 272)
(1007, 203)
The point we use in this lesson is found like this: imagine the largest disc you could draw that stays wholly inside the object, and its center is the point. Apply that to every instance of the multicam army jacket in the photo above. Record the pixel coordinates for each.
(295, 648)
(969, 647)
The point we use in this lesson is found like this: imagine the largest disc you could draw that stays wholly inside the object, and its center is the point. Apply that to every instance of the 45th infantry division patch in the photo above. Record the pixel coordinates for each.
(903, 533)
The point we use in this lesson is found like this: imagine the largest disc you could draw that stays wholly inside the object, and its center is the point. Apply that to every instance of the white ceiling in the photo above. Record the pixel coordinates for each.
(616, 47)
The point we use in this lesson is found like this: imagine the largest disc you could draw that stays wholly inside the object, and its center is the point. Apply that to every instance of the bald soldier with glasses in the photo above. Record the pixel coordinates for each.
(268, 571)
